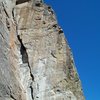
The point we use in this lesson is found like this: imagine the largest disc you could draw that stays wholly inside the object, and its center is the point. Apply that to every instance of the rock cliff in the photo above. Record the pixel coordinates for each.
(36, 62)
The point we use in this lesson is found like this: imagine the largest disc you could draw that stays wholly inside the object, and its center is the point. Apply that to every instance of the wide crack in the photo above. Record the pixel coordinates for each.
(25, 59)
(23, 51)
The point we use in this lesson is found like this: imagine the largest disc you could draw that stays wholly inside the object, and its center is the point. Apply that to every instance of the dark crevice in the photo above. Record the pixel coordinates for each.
(54, 26)
(53, 55)
(13, 15)
(5, 11)
(31, 72)
(24, 54)
(32, 92)
(13, 12)
(11, 96)
(58, 90)
(23, 51)
(21, 1)
(49, 8)
(25, 59)
(2, 35)
(38, 3)
(44, 22)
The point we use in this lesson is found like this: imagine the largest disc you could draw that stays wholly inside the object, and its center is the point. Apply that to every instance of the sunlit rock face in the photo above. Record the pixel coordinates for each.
(35, 60)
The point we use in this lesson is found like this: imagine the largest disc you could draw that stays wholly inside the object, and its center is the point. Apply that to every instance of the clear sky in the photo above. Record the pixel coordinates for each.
(80, 20)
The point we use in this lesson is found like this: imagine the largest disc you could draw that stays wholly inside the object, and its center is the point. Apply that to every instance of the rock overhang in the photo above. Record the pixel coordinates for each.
(21, 1)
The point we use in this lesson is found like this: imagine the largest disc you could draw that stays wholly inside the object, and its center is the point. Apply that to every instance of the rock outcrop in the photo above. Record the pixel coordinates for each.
(35, 60)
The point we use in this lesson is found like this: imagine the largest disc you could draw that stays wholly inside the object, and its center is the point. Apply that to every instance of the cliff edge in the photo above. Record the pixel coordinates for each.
(36, 62)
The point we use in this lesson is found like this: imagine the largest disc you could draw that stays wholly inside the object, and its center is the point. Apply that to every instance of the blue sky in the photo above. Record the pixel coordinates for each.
(80, 20)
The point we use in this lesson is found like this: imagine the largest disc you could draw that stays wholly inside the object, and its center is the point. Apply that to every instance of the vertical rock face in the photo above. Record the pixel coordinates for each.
(35, 60)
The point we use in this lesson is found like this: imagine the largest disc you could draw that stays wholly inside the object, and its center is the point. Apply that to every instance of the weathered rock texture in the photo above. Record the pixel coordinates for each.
(35, 60)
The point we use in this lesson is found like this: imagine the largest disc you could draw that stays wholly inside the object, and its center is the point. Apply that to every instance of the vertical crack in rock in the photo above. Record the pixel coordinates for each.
(25, 56)
(32, 92)
(23, 51)
(52, 65)
(5, 10)
(26, 60)
(11, 94)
